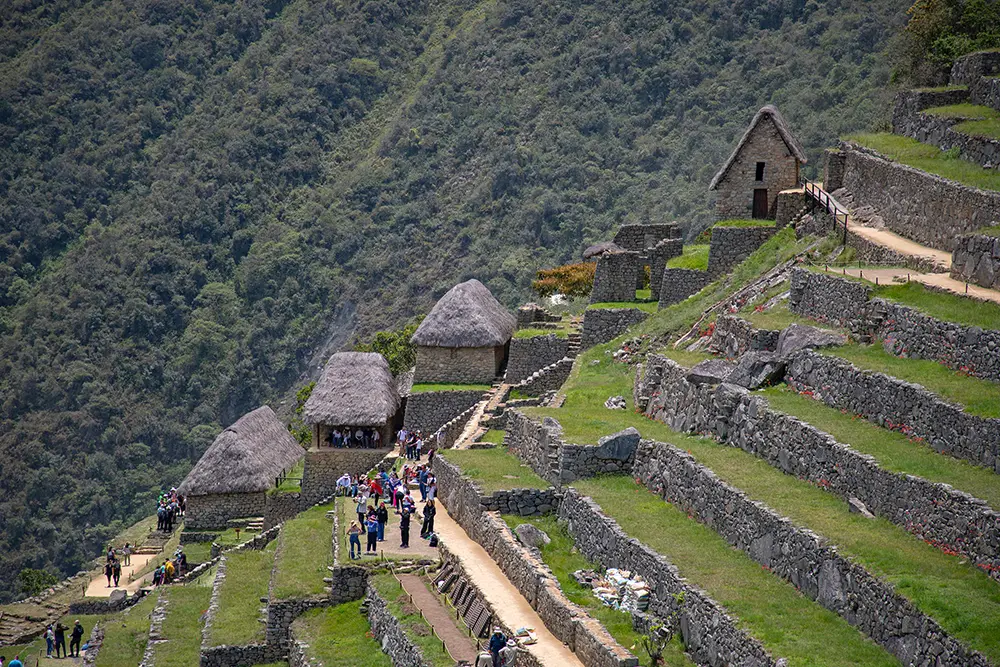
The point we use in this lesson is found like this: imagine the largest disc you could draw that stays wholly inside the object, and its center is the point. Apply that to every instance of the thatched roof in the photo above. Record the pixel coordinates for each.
(769, 112)
(467, 316)
(356, 389)
(245, 458)
(601, 248)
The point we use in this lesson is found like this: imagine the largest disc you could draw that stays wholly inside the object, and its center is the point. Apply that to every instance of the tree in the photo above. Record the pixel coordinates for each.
(32, 582)
(395, 346)
(655, 640)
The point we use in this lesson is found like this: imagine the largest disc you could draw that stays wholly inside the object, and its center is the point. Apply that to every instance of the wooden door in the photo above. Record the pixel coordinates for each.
(760, 203)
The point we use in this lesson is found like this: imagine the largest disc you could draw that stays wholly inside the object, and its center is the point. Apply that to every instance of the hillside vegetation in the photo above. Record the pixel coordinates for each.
(199, 200)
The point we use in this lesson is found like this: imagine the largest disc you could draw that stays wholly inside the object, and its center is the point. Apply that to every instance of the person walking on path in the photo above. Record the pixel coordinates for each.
(422, 482)
(116, 571)
(75, 639)
(429, 512)
(372, 525)
(498, 640)
(60, 639)
(109, 572)
(50, 640)
(127, 554)
(404, 528)
(382, 516)
(508, 654)
(354, 536)
(361, 508)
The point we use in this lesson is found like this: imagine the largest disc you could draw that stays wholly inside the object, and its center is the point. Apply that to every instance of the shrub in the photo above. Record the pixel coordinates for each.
(569, 279)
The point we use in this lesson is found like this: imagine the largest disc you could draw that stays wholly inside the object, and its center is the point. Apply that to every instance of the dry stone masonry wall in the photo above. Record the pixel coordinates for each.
(462, 365)
(733, 336)
(968, 69)
(939, 131)
(547, 379)
(446, 436)
(528, 355)
(215, 510)
(430, 410)
(616, 277)
(601, 325)
(225, 655)
(389, 634)
(976, 259)
(658, 256)
(324, 466)
(731, 245)
(679, 284)
(801, 558)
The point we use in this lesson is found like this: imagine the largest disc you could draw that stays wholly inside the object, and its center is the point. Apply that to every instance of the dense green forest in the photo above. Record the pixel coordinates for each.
(199, 200)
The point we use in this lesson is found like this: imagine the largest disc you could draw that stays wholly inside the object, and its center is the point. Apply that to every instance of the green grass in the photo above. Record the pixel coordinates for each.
(775, 318)
(940, 89)
(958, 595)
(518, 395)
(644, 306)
(534, 333)
(744, 222)
(930, 159)
(894, 451)
(125, 636)
(786, 622)
(990, 231)
(237, 621)
(338, 637)
(563, 559)
(964, 110)
(306, 551)
(293, 483)
(684, 357)
(182, 626)
(436, 386)
(977, 397)
(416, 628)
(493, 435)
(200, 552)
(643, 294)
(942, 305)
(695, 256)
(494, 469)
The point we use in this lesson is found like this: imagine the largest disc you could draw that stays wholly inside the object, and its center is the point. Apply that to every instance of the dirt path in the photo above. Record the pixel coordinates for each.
(941, 280)
(510, 605)
(98, 587)
(902, 245)
(460, 646)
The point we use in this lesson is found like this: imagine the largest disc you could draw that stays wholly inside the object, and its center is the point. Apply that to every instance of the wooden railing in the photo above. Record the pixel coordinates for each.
(822, 198)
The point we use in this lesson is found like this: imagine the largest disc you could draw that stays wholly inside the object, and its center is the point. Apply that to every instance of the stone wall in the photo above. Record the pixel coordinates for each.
(193, 537)
(970, 67)
(790, 203)
(226, 655)
(922, 207)
(711, 636)
(528, 355)
(976, 259)
(601, 325)
(911, 102)
(897, 405)
(214, 510)
(658, 257)
(389, 634)
(324, 466)
(95, 606)
(534, 442)
(281, 506)
(457, 365)
(781, 172)
(531, 313)
(446, 436)
(615, 278)
(934, 512)
(733, 336)
(986, 92)
(94, 644)
(550, 378)
(902, 330)
(800, 557)
(731, 245)
(679, 284)
(641, 237)
(613, 455)
(834, 161)
(466, 501)
(430, 410)
(939, 131)
(869, 252)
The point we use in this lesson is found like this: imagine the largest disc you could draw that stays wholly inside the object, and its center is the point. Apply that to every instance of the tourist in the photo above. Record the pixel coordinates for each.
(354, 538)
(376, 489)
(417, 448)
(508, 654)
(109, 572)
(372, 525)
(376, 439)
(16, 662)
(359, 438)
(60, 639)
(484, 659)
(75, 638)
(397, 496)
(344, 485)
(429, 512)
(168, 571)
(360, 506)
(432, 487)
(404, 528)
(116, 569)
(430, 455)
(127, 554)
(111, 553)
(422, 482)
(498, 640)
(382, 516)
(50, 640)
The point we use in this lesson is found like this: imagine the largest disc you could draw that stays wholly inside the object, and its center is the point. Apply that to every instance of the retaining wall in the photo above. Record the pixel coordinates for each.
(215, 510)
(446, 436)
(658, 257)
(733, 336)
(939, 131)
(615, 277)
(679, 284)
(976, 258)
(226, 655)
(640, 237)
(934, 512)
(967, 69)
(387, 631)
(985, 91)
(528, 355)
(550, 378)
(464, 499)
(731, 245)
(430, 410)
(601, 325)
(281, 506)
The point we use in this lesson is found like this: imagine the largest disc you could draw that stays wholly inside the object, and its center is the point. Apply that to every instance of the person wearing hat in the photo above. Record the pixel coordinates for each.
(508, 654)
(75, 639)
(498, 640)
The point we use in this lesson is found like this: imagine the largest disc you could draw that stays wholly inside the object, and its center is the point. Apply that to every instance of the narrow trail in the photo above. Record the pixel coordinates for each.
(459, 645)
(485, 407)
(902, 245)
(939, 280)
(98, 587)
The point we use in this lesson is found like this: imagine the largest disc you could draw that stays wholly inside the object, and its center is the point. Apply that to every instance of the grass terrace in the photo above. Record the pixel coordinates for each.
(563, 559)
(305, 551)
(940, 89)
(930, 158)
(894, 451)
(494, 436)
(978, 121)
(786, 622)
(775, 318)
(339, 637)
(964, 600)
(200, 552)
(645, 306)
(440, 386)
(745, 222)
(293, 480)
(695, 256)
(978, 397)
(417, 629)
(237, 621)
(494, 469)
(126, 635)
(182, 626)
(990, 231)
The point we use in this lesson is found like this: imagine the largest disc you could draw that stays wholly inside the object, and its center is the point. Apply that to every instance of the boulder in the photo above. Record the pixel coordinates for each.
(797, 337)
(710, 371)
(532, 536)
(855, 506)
(117, 595)
(615, 403)
(618, 446)
(757, 369)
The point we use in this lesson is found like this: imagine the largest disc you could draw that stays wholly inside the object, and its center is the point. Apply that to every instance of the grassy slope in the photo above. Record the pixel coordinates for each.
(125, 636)
(306, 550)
(894, 451)
(695, 256)
(944, 306)
(788, 624)
(238, 619)
(182, 626)
(495, 469)
(930, 159)
(563, 559)
(493, 435)
(416, 628)
(338, 637)
(976, 396)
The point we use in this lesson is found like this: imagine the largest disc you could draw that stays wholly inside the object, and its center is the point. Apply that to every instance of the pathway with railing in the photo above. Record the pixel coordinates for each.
(822, 198)
(459, 645)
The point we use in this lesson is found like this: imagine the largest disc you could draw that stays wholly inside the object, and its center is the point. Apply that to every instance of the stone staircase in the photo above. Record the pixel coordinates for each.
(573, 348)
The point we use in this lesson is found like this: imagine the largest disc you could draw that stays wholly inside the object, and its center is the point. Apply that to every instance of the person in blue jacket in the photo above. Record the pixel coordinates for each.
(498, 640)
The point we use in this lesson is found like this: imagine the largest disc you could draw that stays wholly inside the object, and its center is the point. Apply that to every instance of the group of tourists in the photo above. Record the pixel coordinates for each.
(169, 507)
(414, 444)
(370, 496)
(361, 438)
(170, 568)
(501, 651)
(55, 638)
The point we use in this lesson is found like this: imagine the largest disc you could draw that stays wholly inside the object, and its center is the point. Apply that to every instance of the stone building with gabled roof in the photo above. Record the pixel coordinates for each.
(765, 161)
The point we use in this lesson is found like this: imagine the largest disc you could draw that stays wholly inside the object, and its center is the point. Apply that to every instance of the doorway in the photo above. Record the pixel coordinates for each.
(760, 203)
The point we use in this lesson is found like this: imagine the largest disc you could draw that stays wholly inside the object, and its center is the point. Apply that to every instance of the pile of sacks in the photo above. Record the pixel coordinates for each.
(617, 589)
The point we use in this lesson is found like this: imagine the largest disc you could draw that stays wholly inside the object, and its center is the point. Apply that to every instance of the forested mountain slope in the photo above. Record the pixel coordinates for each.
(196, 197)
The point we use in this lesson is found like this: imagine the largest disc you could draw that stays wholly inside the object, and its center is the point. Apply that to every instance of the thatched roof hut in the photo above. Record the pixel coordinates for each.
(356, 389)
(245, 458)
(467, 316)
(601, 248)
(771, 113)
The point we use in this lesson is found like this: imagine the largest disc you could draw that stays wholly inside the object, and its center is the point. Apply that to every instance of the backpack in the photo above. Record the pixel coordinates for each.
(433, 540)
